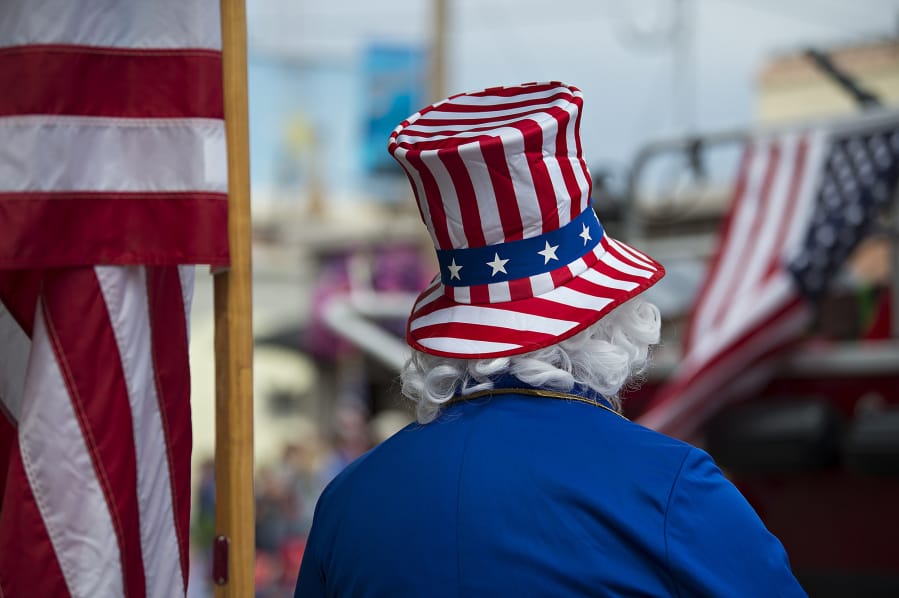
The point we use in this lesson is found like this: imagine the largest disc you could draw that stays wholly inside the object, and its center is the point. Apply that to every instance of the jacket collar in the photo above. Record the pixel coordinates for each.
(508, 384)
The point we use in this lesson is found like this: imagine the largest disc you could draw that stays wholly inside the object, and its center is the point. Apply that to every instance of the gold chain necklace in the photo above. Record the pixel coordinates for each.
(549, 394)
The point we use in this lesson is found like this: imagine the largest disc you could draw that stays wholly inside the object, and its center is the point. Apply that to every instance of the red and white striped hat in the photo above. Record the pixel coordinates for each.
(504, 191)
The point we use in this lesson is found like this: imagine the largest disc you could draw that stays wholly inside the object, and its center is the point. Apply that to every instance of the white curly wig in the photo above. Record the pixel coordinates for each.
(603, 357)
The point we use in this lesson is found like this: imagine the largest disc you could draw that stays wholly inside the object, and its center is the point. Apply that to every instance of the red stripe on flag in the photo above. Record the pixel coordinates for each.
(539, 306)
(7, 446)
(447, 135)
(99, 398)
(488, 122)
(418, 200)
(571, 185)
(168, 327)
(520, 288)
(724, 235)
(730, 350)
(454, 141)
(612, 272)
(775, 264)
(515, 91)
(437, 215)
(499, 104)
(468, 200)
(760, 219)
(688, 421)
(61, 228)
(532, 133)
(509, 215)
(639, 260)
(28, 563)
(112, 82)
(733, 352)
(684, 424)
(19, 290)
(582, 285)
(579, 102)
(479, 294)
(432, 306)
(423, 146)
(500, 334)
(623, 257)
(560, 276)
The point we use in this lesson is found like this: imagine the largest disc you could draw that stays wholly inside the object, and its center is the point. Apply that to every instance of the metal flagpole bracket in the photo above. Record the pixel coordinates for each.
(220, 547)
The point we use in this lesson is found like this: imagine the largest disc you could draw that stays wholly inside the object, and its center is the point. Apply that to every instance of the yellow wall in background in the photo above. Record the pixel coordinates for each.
(792, 87)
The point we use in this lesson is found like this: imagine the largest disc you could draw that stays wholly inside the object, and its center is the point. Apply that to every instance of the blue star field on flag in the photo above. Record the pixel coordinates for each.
(858, 183)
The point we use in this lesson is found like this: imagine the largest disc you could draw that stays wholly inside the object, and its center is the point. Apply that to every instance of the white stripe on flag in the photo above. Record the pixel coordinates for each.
(499, 292)
(560, 188)
(422, 201)
(462, 135)
(765, 244)
(818, 142)
(613, 262)
(522, 182)
(460, 294)
(572, 298)
(745, 313)
(630, 252)
(729, 267)
(714, 380)
(580, 171)
(14, 348)
(493, 100)
(490, 316)
(448, 197)
(542, 283)
(577, 168)
(429, 295)
(476, 166)
(499, 118)
(61, 475)
(579, 266)
(187, 275)
(112, 23)
(125, 292)
(458, 345)
(607, 281)
(56, 153)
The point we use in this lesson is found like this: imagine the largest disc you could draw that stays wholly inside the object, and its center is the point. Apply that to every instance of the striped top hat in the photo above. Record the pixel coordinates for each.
(505, 194)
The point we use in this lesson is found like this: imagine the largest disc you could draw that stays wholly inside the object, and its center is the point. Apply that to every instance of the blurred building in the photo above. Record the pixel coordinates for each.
(792, 87)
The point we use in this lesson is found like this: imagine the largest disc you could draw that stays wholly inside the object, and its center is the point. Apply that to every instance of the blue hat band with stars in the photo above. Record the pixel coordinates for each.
(523, 258)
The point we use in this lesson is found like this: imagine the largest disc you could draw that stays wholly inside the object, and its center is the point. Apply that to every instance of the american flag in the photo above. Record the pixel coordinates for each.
(113, 180)
(803, 200)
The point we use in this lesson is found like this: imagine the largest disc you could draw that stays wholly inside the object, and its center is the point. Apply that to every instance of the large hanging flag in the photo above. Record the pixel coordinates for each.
(803, 200)
(113, 182)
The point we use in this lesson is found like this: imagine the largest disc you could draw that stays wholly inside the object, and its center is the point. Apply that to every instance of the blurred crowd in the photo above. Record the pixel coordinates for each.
(286, 492)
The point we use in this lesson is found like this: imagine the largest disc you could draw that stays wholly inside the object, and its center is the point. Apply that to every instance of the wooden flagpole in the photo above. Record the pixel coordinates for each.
(234, 547)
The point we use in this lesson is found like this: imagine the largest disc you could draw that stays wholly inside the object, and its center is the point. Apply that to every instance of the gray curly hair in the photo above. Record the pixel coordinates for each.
(603, 357)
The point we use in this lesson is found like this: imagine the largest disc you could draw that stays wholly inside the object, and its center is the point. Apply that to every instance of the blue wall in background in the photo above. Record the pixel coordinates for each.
(332, 117)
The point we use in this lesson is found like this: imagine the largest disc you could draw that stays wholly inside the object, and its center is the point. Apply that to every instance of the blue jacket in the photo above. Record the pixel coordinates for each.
(520, 495)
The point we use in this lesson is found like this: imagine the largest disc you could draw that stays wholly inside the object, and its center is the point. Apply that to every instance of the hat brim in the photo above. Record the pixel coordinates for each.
(440, 325)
